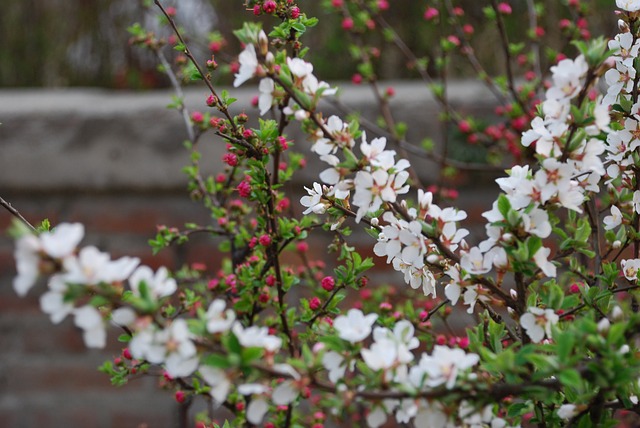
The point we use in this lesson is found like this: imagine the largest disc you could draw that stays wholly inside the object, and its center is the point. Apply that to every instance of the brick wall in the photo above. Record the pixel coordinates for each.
(112, 161)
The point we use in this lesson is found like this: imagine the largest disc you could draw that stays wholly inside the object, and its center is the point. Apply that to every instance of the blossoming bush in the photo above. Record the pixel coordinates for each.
(552, 287)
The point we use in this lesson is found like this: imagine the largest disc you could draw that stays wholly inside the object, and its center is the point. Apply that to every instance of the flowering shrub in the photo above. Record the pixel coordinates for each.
(553, 287)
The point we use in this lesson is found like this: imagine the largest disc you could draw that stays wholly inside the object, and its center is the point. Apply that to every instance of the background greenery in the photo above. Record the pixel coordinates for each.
(58, 43)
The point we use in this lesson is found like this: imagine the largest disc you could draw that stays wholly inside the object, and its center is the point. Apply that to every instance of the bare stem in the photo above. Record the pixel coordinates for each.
(16, 213)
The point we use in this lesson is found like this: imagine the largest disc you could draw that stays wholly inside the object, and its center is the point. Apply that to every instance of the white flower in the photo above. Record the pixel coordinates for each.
(219, 320)
(93, 267)
(442, 367)
(381, 356)
(172, 346)
(258, 406)
(567, 77)
(335, 364)
(536, 222)
(52, 302)
(59, 243)
(628, 5)
(27, 264)
(540, 258)
(567, 411)
(299, 67)
(90, 321)
(313, 201)
(537, 322)
(255, 336)
(266, 88)
(219, 382)
(63, 240)
(636, 201)
(157, 286)
(256, 410)
(377, 417)
(181, 359)
(123, 317)
(614, 220)
(354, 327)
(475, 262)
(285, 393)
(630, 269)
(248, 65)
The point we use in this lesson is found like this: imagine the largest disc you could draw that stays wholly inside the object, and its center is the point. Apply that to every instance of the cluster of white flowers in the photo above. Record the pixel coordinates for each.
(300, 71)
(56, 253)
(391, 353)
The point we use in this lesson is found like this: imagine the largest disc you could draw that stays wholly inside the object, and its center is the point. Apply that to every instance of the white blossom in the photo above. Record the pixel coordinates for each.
(219, 320)
(248, 60)
(158, 285)
(355, 326)
(219, 382)
(90, 321)
(537, 323)
(256, 336)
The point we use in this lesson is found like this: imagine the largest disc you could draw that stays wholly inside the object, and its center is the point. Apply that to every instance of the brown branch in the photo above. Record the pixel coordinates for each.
(14, 212)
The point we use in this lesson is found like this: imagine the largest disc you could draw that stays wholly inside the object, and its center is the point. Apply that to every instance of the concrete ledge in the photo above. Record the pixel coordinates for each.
(88, 139)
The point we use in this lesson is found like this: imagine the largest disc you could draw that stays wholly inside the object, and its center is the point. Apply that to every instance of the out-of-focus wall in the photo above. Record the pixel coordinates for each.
(57, 43)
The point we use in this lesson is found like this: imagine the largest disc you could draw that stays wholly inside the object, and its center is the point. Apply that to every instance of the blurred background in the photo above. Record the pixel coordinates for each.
(66, 43)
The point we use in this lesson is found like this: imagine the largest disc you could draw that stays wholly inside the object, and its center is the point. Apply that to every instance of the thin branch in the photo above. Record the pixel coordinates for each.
(16, 213)
(223, 109)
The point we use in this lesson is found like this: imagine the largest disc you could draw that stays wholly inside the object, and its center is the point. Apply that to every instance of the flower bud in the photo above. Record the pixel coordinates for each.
(617, 314)
(604, 325)
(623, 26)
(263, 43)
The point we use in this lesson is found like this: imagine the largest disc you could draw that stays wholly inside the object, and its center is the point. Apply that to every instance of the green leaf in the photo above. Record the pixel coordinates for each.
(218, 361)
(570, 378)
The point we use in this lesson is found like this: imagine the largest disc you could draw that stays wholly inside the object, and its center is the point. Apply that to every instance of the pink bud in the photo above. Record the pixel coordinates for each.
(385, 306)
(356, 79)
(180, 396)
(464, 126)
(347, 24)
(265, 240)
(328, 283)
(295, 12)
(197, 117)
(269, 6)
(230, 159)
(314, 303)
(244, 189)
(431, 13)
(383, 4)
(504, 8)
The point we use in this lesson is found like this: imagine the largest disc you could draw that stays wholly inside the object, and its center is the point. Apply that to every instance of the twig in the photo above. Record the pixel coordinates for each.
(16, 213)
(223, 109)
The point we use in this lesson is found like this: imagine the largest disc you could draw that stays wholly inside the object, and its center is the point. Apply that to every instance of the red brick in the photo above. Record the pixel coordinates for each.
(55, 377)
(144, 420)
